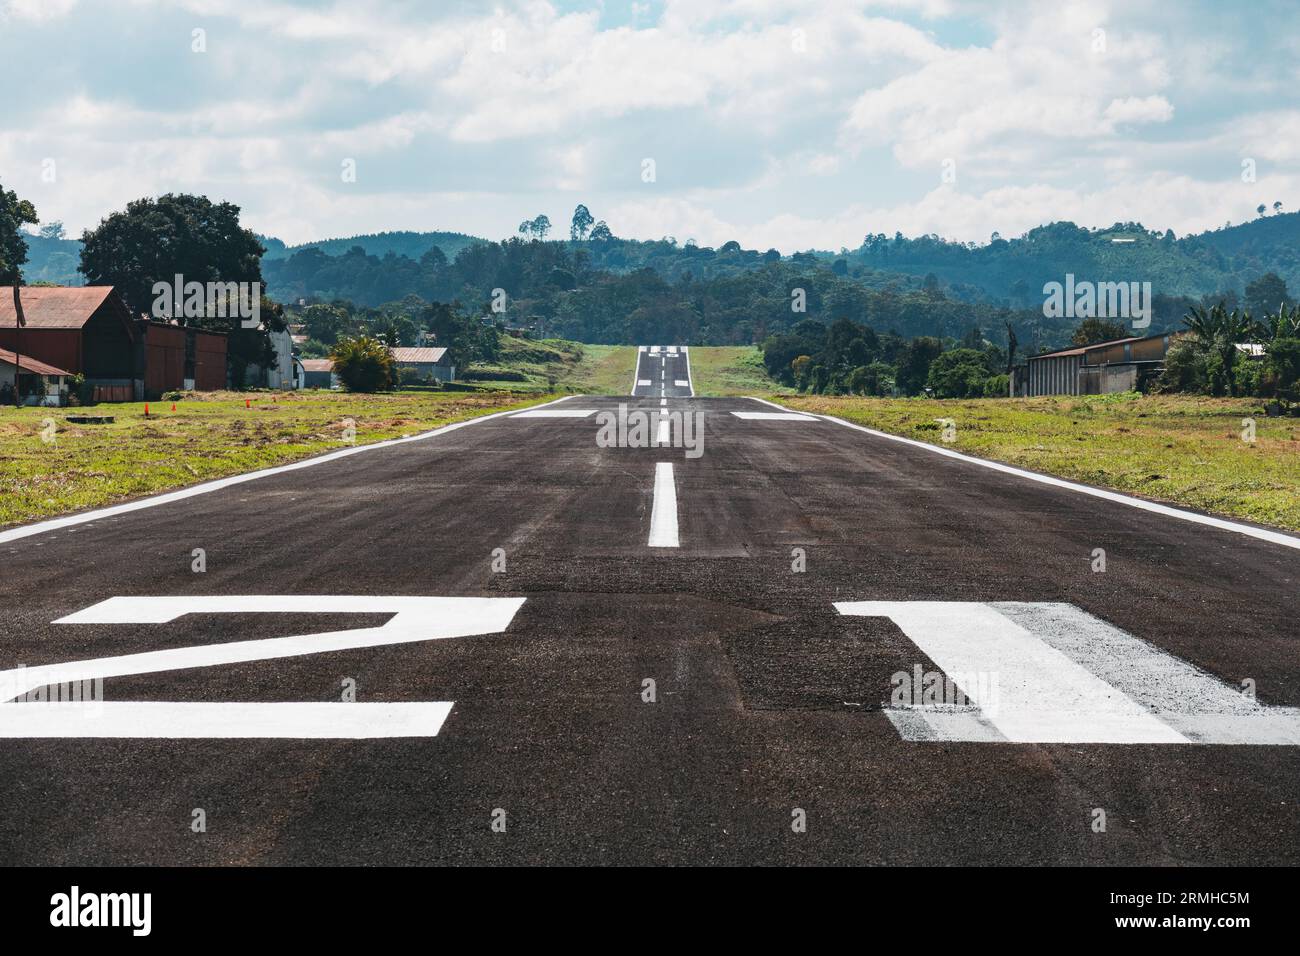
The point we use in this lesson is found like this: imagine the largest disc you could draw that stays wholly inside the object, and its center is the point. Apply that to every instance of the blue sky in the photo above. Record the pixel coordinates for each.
(775, 123)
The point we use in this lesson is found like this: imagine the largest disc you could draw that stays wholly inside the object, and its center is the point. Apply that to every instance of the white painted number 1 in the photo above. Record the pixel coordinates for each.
(1051, 673)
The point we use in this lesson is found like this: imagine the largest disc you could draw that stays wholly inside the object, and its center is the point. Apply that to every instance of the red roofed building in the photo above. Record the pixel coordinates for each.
(46, 384)
(89, 331)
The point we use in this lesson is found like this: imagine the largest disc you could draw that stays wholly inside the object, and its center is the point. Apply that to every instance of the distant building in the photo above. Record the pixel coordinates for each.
(85, 330)
(179, 358)
(425, 362)
(1102, 369)
(41, 383)
(281, 373)
(319, 373)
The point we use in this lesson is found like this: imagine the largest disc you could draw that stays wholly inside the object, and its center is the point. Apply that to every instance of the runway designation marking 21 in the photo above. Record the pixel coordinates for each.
(414, 619)
(1052, 673)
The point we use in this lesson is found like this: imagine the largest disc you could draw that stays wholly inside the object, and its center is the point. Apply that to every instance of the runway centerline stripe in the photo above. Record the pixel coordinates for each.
(14, 534)
(663, 513)
(1223, 524)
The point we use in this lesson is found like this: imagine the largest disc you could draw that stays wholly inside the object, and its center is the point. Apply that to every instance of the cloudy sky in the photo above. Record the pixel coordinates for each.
(775, 123)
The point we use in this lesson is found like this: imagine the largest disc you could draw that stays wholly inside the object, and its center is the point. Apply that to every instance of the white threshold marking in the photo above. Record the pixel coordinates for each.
(664, 436)
(663, 513)
(682, 383)
(557, 413)
(414, 619)
(672, 350)
(1052, 673)
(14, 534)
(1223, 524)
(654, 350)
(774, 416)
(642, 382)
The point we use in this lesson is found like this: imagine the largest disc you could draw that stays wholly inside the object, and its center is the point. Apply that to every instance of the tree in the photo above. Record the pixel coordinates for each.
(582, 220)
(14, 214)
(155, 240)
(326, 323)
(960, 373)
(1282, 370)
(1260, 209)
(1266, 294)
(914, 363)
(1216, 333)
(1277, 207)
(53, 230)
(601, 232)
(538, 227)
(363, 364)
(1091, 331)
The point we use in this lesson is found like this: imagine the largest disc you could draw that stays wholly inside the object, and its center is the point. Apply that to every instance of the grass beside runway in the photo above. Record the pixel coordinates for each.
(559, 365)
(211, 435)
(1185, 450)
(730, 370)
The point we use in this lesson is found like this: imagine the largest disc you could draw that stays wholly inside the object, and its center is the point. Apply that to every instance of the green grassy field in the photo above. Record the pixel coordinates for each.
(731, 370)
(559, 365)
(49, 466)
(1185, 450)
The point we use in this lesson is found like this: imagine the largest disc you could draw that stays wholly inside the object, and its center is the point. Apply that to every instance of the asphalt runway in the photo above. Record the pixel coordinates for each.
(727, 698)
(663, 371)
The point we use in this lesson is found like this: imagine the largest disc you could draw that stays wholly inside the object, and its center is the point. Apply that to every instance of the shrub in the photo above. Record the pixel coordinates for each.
(363, 364)
(1280, 376)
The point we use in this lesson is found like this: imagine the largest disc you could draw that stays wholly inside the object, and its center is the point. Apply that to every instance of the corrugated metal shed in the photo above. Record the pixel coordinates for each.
(417, 356)
(64, 307)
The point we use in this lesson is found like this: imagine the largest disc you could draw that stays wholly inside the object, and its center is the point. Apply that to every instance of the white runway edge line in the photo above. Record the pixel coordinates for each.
(663, 513)
(1223, 524)
(14, 534)
(556, 413)
(690, 382)
(774, 417)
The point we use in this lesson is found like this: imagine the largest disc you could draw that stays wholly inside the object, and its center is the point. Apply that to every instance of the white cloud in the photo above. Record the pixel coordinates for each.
(1147, 109)
(758, 138)
(38, 10)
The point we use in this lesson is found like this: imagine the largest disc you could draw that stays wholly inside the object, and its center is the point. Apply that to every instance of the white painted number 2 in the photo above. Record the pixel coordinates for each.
(414, 619)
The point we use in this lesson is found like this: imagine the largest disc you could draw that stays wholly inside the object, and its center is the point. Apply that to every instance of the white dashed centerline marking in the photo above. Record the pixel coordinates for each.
(663, 514)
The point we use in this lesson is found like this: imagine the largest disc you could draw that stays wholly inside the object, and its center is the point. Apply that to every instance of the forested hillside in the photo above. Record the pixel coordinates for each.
(602, 289)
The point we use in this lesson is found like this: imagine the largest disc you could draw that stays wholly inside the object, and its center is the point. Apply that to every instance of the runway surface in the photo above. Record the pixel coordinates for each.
(484, 646)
